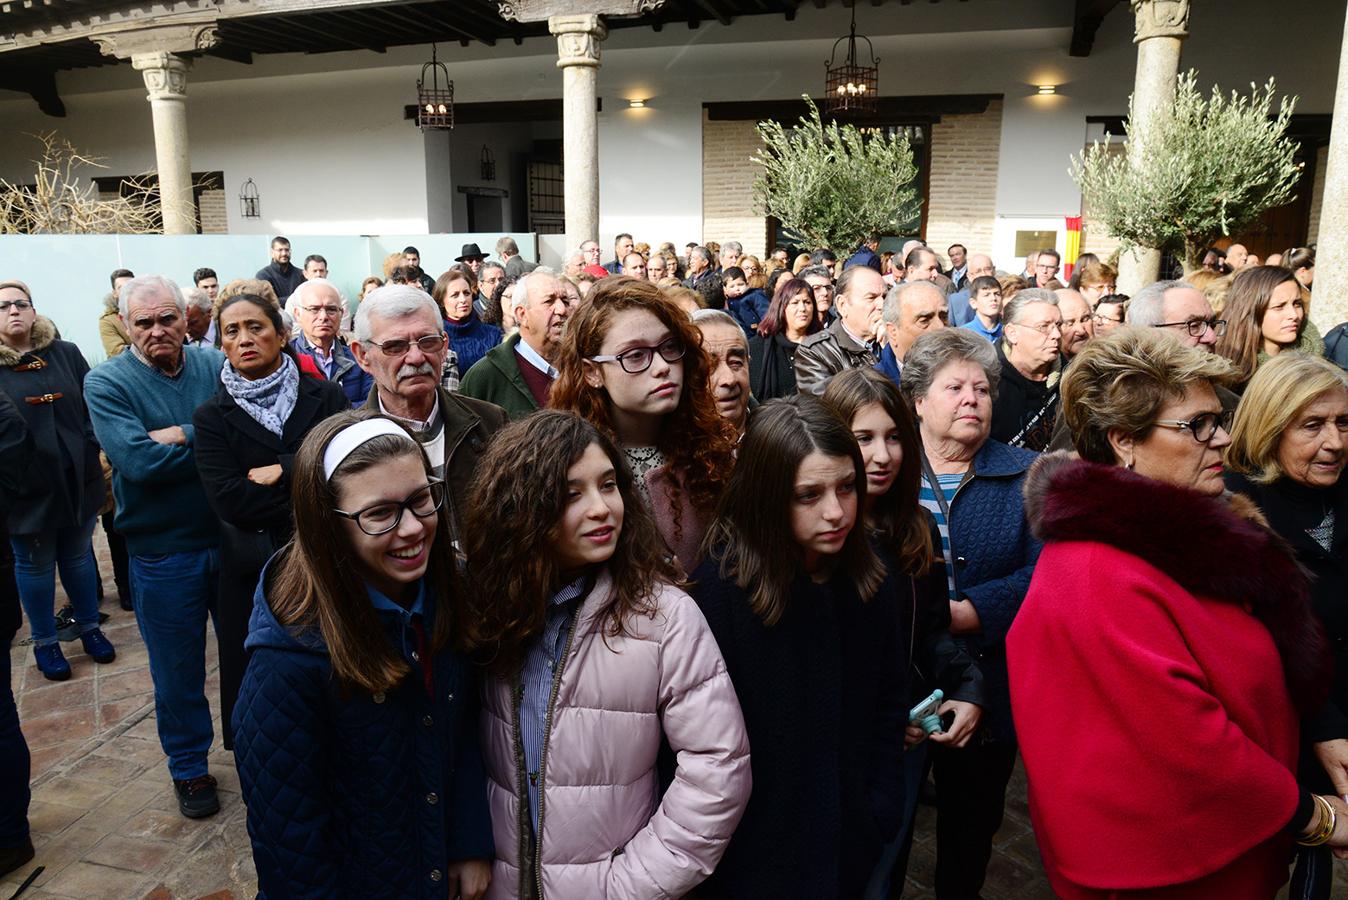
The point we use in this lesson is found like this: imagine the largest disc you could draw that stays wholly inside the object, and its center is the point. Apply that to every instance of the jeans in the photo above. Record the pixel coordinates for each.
(36, 559)
(174, 593)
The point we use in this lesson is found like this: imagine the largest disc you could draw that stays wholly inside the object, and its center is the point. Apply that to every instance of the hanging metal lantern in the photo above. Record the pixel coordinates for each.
(851, 86)
(435, 101)
(250, 203)
(488, 164)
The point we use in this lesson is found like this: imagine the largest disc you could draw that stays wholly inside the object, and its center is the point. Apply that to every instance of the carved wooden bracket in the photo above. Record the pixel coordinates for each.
(542, 10)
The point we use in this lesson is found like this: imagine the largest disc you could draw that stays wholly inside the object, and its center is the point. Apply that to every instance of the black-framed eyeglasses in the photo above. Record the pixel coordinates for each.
(20, 305)
(639, 359)
(381, 518)
(1202, 426)
(1196, 327)
(427, 343)
(322, 310)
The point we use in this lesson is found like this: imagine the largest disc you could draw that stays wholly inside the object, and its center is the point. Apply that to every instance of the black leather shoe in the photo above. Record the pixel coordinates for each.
(196, 797)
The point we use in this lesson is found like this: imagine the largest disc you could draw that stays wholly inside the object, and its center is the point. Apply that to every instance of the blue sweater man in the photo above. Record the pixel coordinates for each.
(135, 404)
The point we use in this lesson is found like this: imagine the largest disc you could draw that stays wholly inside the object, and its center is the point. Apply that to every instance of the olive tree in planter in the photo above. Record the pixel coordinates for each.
(1208, 168)
(832, 184)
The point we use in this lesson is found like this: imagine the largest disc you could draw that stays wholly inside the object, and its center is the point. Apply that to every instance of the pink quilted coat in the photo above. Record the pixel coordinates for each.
(606, 832)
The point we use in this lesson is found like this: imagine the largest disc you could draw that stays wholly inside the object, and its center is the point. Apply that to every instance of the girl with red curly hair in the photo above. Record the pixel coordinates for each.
(631, 363)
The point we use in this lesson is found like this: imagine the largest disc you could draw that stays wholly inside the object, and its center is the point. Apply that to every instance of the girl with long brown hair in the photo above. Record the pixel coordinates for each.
(1265, 315)
(632, 364)
(906, 538)
(810, 630)
(599, 661)
(355, 726)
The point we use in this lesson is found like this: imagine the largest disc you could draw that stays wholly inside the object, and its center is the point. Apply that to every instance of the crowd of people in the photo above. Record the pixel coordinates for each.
(688, 573)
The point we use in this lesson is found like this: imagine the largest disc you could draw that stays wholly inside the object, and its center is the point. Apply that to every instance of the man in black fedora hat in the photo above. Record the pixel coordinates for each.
(472, 257)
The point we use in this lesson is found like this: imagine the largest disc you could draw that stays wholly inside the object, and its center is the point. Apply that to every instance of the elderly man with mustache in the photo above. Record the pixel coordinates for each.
(400, 340)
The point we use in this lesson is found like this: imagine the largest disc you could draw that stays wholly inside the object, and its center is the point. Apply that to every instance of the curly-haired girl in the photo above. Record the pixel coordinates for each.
(631, 363)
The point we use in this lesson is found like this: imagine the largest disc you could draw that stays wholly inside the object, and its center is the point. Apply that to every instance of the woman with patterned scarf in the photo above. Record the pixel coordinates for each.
(246, 439)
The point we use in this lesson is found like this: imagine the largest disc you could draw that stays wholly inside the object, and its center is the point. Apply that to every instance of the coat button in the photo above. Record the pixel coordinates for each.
(961, 561)
(427, 721)
(450, 697)
(416, 657)
(378, 697)
(432, 798)
(435, 875)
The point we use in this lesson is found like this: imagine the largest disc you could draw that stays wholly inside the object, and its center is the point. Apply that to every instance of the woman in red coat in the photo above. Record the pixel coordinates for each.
(1165, 650)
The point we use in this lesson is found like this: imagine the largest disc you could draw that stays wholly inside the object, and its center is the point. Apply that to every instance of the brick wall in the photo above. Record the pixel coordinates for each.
(1095, 237)
(214, 212)
(1317, 194)
(728, 209)
(963, 184)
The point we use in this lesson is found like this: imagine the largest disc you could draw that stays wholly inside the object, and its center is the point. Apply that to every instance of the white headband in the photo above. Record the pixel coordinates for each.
(352, 436)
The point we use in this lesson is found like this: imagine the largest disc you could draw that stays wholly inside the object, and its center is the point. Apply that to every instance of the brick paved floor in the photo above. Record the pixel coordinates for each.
(105, 819)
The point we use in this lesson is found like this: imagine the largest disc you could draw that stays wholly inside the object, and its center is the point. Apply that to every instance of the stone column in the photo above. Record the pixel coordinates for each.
(578, 40)
(1330, 304)
(166, 80)
(1161, 27)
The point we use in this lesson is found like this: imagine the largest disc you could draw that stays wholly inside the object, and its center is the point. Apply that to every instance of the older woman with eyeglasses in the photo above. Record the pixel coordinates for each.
(1287, 454)
(51, 522)
(1166, 648)
(1109, 313)
(1027, 402)
(971, 485)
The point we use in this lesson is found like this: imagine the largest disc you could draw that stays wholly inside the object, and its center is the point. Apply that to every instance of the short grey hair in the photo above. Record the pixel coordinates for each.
(1012, 308)
(819, 271)
(1145, 308)
(292, 303)
(732, 245)
(490, 264)
(521, 295)
(715, 317)
(147, 284)
(507, 245)
(702, 253)
(935, 350)
(893, 312)
(392, 301)
(196, 297)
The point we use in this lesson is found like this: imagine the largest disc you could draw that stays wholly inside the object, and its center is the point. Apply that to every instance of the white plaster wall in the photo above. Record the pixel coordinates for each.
(324, 139)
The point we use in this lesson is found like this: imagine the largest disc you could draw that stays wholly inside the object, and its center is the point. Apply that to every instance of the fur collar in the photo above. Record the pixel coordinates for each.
(44, 332)
(110, 306)
(1219, 549)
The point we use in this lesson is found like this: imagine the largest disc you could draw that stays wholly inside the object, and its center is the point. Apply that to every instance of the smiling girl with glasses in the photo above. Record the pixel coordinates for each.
(355, 729)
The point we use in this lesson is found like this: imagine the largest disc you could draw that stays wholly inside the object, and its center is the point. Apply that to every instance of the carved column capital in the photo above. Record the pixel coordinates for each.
(578, 39)
(165, 74)
(1160, 18)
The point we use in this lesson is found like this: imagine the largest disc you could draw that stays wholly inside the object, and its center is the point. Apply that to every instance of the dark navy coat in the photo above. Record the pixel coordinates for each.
(357, 795)
(993, 554)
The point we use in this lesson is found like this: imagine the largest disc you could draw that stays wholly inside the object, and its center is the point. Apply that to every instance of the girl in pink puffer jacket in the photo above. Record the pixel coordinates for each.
(599, 659)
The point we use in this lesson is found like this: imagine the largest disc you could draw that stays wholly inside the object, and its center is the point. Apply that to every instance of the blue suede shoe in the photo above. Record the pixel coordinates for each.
(52, 662)
(97, 646)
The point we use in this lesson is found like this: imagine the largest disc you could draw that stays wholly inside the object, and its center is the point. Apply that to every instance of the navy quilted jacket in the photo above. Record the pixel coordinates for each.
(356, 796)
(994, 557)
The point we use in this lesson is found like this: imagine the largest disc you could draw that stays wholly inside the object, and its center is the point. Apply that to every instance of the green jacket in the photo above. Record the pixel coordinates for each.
(496, 378)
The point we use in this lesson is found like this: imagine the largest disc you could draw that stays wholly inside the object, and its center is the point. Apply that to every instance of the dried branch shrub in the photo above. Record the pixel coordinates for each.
(64, 201)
